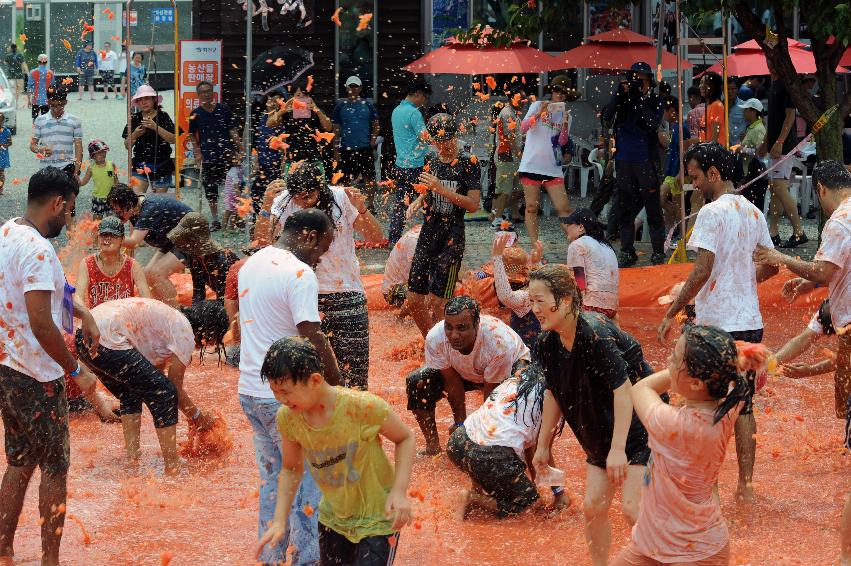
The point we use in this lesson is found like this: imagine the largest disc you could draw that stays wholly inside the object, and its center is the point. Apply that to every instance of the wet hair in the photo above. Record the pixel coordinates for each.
(694, 91)
(122, 197)
(560, 281)
(13, 47)
(825, 319)
(292, 358)
(671, 102)
(48, 183)
(418, 85)
(832, 175)
(461, 303)
(714, 86)
(593, 227)
(307, 220)
(308, 177)
(534, 382)
(712, 154)
(711, 356)
(209, 322)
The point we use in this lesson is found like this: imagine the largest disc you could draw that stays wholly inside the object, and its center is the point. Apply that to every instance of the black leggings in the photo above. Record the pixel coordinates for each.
(337, 550)
(128, 375)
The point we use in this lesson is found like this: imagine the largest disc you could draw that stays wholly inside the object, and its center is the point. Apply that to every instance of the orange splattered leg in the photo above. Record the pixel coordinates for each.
(12, 493)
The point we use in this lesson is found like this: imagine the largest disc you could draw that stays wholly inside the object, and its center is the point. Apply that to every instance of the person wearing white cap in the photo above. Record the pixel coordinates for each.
(755, 132)
(356, 127)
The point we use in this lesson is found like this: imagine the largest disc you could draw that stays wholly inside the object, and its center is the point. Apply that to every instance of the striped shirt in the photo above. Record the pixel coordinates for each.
(58, 134)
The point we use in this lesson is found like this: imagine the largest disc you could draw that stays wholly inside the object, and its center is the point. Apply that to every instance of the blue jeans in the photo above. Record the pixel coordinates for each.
(303, 530)
(404, 178)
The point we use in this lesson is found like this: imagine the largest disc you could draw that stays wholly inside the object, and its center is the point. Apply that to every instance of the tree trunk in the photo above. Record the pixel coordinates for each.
(829, 140)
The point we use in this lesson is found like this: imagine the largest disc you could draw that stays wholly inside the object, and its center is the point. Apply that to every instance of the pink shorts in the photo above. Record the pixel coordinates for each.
(629, 557)
(535, 180)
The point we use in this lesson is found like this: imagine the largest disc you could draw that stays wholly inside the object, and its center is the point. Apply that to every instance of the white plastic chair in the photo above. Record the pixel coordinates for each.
(585, 171)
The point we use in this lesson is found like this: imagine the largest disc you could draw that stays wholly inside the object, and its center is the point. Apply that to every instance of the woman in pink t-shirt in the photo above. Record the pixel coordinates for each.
(680, 519)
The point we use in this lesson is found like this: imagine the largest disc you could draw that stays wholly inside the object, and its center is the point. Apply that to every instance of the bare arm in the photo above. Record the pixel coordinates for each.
(232, 309)
(797, 346)
(234, 137)
(616, 462)
(646, 393)
(454, 388)
(820, 271)
(140, 281)
(550, 417)
(367, 226)
(398, 507)
(313, 332)
(765, 272)
(87, 176)
(47, 334)
(135, 238)
(83, 282)
(78, 154)
(695, 282)
(324, 120)
(487, 389)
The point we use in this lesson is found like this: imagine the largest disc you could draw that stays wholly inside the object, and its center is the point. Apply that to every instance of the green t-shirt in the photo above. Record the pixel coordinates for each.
(348, 463)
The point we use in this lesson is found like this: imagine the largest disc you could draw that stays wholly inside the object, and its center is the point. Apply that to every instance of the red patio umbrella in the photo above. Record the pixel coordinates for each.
(845, 61)
(467, 58)
(747, 63)
(752, 44)
(618, 50)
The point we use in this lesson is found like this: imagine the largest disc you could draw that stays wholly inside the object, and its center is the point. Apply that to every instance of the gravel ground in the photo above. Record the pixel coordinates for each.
(105, 120)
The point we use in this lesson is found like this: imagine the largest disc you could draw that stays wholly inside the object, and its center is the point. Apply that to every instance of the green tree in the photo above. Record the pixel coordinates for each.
(829, 23)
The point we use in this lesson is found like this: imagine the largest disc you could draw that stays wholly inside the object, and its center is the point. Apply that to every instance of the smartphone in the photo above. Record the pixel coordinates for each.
(302, 112)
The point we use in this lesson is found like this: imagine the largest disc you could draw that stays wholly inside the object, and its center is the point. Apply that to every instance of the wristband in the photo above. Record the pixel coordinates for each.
(364, 211)
(196, 415)
(459, 423)
(76, 372)
(265, 214)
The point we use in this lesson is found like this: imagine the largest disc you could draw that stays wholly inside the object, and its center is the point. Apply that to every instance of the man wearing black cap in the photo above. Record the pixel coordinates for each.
(635, 112)
(449, 186)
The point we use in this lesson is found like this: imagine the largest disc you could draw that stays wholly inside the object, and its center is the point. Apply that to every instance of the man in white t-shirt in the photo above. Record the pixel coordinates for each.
(724, 279)
(397, 268)
(37, 305)
(463, 352)
(831, 266)
(279, 297)
(107, 59)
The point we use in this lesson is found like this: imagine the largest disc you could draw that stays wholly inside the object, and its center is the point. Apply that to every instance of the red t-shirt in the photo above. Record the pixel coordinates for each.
(103, 288)
(232, 281)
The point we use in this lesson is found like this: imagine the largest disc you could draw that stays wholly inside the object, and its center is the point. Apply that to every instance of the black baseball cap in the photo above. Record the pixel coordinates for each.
(580, 216)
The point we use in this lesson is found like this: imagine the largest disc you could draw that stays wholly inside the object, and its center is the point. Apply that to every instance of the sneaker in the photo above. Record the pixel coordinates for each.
(106, 97)
(658, 258)
(215, 226)
(776, 240)
(627, 258)
(119, 97)
(795, 241)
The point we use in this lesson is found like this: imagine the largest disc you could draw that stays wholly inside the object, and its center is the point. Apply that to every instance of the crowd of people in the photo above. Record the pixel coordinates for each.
(295, 309)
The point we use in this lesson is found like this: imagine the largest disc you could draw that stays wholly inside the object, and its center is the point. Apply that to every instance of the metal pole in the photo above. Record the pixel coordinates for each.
(246, 133)
(725, 22)
(127, 98)
(681, 175)
(177, 146)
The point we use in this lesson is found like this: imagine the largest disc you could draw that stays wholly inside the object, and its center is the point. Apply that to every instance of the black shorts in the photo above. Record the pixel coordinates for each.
(213, 174)
(134, 380)
(357, 162)
(108, 78)
(425, 386)
(498, 469)
(437, 261)
(100, 207)
(755, 337)
(337, 550)
(35, 422)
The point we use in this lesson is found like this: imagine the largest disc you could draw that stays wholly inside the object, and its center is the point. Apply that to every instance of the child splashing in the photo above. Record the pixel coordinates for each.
(680, 519)
(523, 320)
(495, 444)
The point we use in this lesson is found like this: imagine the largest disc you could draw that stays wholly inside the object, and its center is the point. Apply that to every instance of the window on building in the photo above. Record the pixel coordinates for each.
(356, 49)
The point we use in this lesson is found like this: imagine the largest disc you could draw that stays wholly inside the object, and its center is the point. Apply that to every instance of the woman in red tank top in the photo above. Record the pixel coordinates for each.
(106, 276)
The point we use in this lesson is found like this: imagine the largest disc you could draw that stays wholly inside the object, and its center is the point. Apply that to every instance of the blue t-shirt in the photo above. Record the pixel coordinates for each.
(672, 164)
(159, 215)
(269, 159)
(87, 61)
(736, 121)
(213, 129)
(5, 137)
(355, 118)
(408, 124)
(138, 75)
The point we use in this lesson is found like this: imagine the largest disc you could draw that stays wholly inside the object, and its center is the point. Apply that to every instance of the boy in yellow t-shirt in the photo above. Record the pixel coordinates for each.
(104, 175)
(364, 502)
